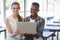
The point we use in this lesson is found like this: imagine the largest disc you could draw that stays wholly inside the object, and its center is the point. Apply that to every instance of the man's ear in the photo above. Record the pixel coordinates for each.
(38, 10)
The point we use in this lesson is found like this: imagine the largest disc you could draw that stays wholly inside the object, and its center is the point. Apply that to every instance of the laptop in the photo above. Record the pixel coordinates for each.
(27, 27)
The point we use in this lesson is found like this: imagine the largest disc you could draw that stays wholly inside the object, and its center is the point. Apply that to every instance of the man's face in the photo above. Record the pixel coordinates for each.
(34, 10)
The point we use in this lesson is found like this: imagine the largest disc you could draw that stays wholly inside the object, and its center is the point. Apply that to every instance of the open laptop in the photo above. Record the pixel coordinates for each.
(27, 27)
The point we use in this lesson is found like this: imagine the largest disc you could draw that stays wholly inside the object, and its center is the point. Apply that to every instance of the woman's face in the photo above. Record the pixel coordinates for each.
(15, 9)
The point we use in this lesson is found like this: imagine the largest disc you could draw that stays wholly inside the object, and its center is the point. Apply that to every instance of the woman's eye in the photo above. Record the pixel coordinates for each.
(17, 8)
(13, 8)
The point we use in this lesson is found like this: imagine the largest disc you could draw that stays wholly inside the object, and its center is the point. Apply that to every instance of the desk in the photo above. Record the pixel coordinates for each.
(54, 29)
(3, 30)
(47, 35)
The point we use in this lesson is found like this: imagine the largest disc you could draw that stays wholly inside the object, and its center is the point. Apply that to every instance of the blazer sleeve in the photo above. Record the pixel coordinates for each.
(40, 27)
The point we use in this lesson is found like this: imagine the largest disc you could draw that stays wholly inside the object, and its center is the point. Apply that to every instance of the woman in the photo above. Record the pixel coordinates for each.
(11, 23)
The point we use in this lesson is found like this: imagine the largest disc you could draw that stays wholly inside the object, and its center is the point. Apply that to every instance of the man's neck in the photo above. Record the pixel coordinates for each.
(33, 17)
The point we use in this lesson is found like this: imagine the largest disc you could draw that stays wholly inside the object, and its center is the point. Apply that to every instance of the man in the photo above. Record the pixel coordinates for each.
(35, 18)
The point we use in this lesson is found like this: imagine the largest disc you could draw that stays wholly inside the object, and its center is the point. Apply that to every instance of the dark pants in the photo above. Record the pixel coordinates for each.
(29, 36)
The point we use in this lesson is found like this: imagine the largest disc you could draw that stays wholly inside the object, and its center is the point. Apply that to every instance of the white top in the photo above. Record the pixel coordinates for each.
(31, 20)
(13, 23)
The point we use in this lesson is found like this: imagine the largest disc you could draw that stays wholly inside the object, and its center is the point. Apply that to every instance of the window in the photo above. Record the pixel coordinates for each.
(1, 13)
(22, 7)
(43, 7)
(8, 7)
(57, 10)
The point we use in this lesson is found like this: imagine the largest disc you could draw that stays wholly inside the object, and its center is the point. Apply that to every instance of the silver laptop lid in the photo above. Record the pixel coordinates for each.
(27, 27)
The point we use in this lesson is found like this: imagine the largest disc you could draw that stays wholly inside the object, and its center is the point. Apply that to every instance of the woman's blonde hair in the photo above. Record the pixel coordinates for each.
(14, 3)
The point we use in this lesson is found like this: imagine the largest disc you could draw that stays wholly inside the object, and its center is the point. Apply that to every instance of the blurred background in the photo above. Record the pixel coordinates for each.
(49, 9)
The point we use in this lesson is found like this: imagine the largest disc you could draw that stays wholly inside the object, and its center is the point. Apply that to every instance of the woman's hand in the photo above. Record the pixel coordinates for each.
(17, 32)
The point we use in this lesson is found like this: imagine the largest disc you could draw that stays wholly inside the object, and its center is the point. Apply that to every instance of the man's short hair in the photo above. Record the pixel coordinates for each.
(35, 4)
